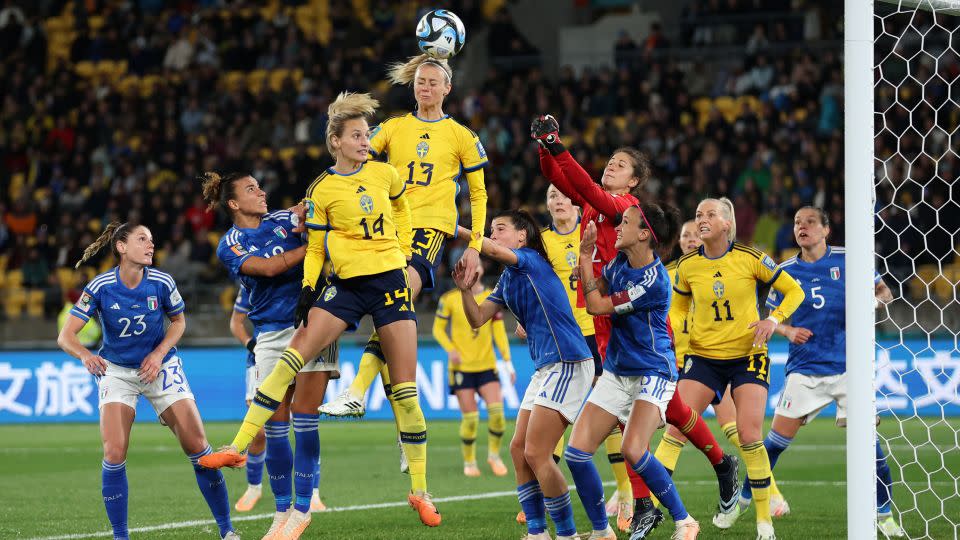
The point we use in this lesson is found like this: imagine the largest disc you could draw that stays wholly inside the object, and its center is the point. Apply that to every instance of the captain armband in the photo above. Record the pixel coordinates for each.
(623, 300)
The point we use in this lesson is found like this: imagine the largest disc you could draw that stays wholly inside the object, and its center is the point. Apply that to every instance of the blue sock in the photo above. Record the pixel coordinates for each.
(214, 490)
(660, 484)
(255, 468)
(884, 482)
(305, 458)
(531, 501)
(589, 486)
(316, 474)
(561, 512)
(775, 444)
(279, 463)
(114, 489)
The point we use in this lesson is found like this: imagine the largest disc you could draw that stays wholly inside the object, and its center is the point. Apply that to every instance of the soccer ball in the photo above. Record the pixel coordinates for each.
(440, 34)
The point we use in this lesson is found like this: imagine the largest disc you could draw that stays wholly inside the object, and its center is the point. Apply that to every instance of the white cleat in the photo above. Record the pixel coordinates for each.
(765, 531)
(404, 464)
(294, 527)
(778, 506)
(231, 536)
(279, 520)
(345, 405)
(687, 529)
(541, 536)
(607, 534)
(889, 527)
(726, 520)
(612, 503)
(577, 537)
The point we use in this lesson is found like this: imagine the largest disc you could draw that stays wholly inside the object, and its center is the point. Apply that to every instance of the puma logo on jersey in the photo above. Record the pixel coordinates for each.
(425, 136)
(717, 275)
(361, 189)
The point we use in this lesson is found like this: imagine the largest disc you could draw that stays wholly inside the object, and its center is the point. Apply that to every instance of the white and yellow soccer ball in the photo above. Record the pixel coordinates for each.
(441, 34)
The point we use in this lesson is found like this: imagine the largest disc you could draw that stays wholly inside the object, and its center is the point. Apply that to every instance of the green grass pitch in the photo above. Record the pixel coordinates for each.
(51, 485)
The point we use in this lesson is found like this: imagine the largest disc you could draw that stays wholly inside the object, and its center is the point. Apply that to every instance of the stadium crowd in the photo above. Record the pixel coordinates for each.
(146, 98)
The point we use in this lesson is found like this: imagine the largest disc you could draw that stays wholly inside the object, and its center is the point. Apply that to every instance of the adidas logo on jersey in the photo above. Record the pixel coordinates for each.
(717, 275)
(115, 306)
(425, 136)
(569, 246)
(361, 189)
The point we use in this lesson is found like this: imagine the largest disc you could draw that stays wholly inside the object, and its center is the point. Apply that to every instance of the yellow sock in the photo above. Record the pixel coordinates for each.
(758, 469)
(268, 397)
(370, 364)
(388, 391)
(668, 451)
(774, 490)
(558, 451)
(469, 423)
(613, 444)
(496, 426)
(730, 432)
(413, 432)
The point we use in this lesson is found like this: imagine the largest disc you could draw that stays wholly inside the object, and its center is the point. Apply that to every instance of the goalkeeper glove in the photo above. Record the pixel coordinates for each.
(306, 300)
(546, 131)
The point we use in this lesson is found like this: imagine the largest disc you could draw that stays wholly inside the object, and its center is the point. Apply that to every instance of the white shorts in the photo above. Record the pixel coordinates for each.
(122, 385)
(562, 387)
(616, 394)
(269, 347)
(251, 379)
(804, 396)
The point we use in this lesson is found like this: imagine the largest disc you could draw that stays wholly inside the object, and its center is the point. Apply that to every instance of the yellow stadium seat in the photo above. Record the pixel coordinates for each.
(227, 297)
(159, 256)
(788, 252)
(95, 22)
(85, 69)
(213, 238)
(14, 279)
(35, 303)
(727, 107)
(232, 80)
(286, 153)
(67, 278)
(315, 151)
(16, 298)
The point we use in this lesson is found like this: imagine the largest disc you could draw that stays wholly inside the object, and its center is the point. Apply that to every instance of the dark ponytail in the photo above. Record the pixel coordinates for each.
(522, 220)
(217, 189)
(665, 222)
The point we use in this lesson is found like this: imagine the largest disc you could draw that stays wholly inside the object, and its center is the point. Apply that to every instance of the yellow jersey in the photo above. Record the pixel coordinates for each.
(724, 292)
(563, 249)
(430, 157)
(678, 323)
(360, 222)
(475, 346)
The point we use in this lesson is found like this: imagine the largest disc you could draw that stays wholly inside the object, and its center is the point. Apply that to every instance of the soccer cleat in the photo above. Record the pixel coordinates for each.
(687, 529)
(612, 504)
(249, 498)
(316, 505)
(497, 466)
(226, 456)
(574, 537)
(471, 470)
(295, 525)
(765, 531)
(729, 484)
(624, 515)
(231, 535)
(889, 527)
(645, 522)
(422, 502)
(725, 520)
(521, 518)
(778, 506)
(279, 520)
(404, 464)
(344, 405)
(539, 536)
(607, 534)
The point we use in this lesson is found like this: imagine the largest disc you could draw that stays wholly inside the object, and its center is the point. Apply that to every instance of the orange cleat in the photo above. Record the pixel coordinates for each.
(227, 456)
(521, 518)
(249, 499)
(316, 505)
(497, 466)
(422, 502)
(471, 470)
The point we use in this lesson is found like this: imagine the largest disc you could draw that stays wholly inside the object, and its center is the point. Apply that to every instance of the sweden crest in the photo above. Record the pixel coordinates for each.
(718, 288)
(422, 149)
(329, 293)
(366, 204)
(571, 259)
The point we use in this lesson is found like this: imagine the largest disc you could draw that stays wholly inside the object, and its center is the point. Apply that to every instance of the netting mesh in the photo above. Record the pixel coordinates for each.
(916, 144)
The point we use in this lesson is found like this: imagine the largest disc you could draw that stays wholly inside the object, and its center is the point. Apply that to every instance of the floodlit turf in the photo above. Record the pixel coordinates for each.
(51, 486)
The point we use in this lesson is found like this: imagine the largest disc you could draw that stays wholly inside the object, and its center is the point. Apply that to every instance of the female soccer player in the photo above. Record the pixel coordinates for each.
(623, 179)
(266, 256)
(562, 242)
(138, 358)
(534, 293)
(816, 365)
(431, 151)
(641, 369)
(473, 370)
(728, 340)
(358, 218)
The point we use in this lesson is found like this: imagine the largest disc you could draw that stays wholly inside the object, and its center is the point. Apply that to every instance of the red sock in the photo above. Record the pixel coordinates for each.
(640, 489)
(694, 428)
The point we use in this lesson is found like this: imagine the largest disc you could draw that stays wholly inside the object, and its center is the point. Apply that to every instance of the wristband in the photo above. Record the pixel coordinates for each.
(775, 321)
(251, 343)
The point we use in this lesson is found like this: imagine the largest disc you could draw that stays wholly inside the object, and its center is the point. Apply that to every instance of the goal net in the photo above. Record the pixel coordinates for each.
(916, 111)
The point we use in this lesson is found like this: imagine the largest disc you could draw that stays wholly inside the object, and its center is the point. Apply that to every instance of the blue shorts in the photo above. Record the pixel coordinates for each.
(385, 297)
(427, 252)
(464, 380)
(597, 359)
(717, 374)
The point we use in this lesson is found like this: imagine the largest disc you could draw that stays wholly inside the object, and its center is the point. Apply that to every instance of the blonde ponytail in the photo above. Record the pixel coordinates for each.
(726, 206)
(404, 73)
(98, 244)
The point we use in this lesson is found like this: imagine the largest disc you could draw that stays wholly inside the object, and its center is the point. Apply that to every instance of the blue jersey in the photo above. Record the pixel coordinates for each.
(639, 341)
(823, 312)
(535, 295)
(272, 299)
(242, 305)
(132, 319)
